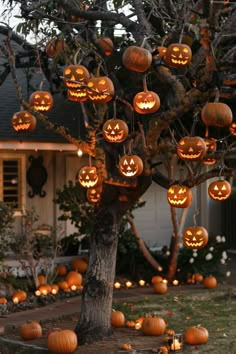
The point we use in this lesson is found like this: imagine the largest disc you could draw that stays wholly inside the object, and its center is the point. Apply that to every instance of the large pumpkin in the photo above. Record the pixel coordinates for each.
(130, 165)
(179, 196)
(160, 288)
(115, 130)
(62, 341)
(100, 89)
(210, 282)
(196, 335)
(195, 237)
(137, 59)
(31, 330)
(75, 76)
(153, 326)
(88, 176)
(117, 319)
(146, 102)
(217, 114)
(178, 55)
(191, 148)
(219, 190)
(23, 122)
(79, 265)
(41, 101)
(73, 278)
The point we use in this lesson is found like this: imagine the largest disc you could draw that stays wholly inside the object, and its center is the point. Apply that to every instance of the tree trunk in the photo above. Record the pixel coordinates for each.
(94, 322)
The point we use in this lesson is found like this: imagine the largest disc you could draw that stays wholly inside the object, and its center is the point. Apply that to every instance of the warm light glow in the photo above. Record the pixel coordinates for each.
(175, 282)
(37, 292)
(44, 291)
(141, 282)
(128, 284)
(80, 152)
(54, 291)
(176, 345)
(117, 285)
(73, 287)
(137, 325)
(15, 300)
(165, 281)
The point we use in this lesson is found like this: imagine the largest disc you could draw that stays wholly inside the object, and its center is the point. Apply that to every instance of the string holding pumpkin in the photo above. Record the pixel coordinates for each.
(195, 237)
(146, 102)
(115, 130)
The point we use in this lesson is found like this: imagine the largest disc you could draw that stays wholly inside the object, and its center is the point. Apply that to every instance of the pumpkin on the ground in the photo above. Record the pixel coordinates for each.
(31, 330)
(196, 335)
(3, 300)
(153, 326)
(73, 278)
(117, 319)
(157, 279)
(62, 341)
(160, 288)
(210, 282)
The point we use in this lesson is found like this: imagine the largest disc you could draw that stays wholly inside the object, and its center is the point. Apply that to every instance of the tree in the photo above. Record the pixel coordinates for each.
(205, 26)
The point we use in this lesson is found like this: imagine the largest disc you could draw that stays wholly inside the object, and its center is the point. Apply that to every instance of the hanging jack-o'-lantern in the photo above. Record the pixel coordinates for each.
(195, 237)
(232, 128)
(75, 76)
(23, 122)
(130, 165)
(41, 101)
(88, 176)
(106, 44)
(219, 190)
(216, 114)
(146, 102)
(191, 148)
(178, 55)
(94, 194)
(115, 130)
(179, 196)
(100, 89)
(79, 95)
(211, 148)
(137, 59)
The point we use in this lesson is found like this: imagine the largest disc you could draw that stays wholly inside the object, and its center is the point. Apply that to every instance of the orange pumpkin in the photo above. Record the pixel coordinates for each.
(153, 326)
(217, 114)
(78, 95)
(106, 44)
(115, 130)
(54, 46)
(146, 102)
(75, 76)
(73, 278)
(31, 330)
(191, 148)
(23, 122)
(41, 101)
(130, 324)
(232, 128)
(160, 288)
(41, 279)
(195, 237)
(130, 165)
(179, 196)
(62, 341)
(117, 319)
(211, 148)
(178, 55)
(210, 282)
(219, 190)
(126, 346)
(198, 277)
(79, 265)
(88, 176)
(100, 89)
(196, 335)
(61, 269)
(3, 300)
(137, 59)
(63, 285)
(94, 194)
(156, 279)
(19, 296)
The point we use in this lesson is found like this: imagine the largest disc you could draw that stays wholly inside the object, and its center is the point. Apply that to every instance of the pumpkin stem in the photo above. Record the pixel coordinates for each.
(76, 56)
(114, 108)
(145, 84)
(195, 216)
(143, 42)
(217, 96)
(41, 85)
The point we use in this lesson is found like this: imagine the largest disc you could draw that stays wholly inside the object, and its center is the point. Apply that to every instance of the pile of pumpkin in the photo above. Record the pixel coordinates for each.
(156, 326)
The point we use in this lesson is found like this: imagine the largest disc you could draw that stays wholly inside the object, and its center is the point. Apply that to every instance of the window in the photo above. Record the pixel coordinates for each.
(12, 180)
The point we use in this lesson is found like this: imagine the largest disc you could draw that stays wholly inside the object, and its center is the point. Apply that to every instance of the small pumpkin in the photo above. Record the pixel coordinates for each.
(88, 176)
(94, 194)
(79, 265)
(41, 279)
(130, 165)
(216, 114)
(41, 101)
(164, 350)
(198, 277)
(31, 330)
(179, 196)
(195, 237)
(63, 285)
(156, 279)
(62, 341)
(54, 288)
(232, 128)
(23, 122)
(196, 335)
(115, 130)
(3, 301)
(19, 296)
(61, 269)
(100, 89)
(178, 55)
(146, 102)
(126, 346)
(78, 95)
(75, 76)
(160, 288)
(219, 190)
(137, 59)
(106, 44)
(153, 326)
(117, 319)
(73, 278)
(191, 148)
(210, 282)
(130, 324)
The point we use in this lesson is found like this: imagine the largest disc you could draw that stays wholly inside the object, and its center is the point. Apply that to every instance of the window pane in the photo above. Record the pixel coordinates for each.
(10, 182)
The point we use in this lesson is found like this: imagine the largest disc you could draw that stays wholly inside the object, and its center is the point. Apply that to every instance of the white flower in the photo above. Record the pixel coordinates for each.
(208, 256)
(224, 255)
(222, 261)
(211, 249)
(191, 260)
(228, 274)
(218, 239)
(223, 239)
(195, 254)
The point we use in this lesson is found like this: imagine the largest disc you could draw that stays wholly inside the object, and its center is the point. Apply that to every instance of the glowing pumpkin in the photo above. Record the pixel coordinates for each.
(137, 59)
(191, 148)
(232, 128)
(179, 196)
(100, 89)
(178, 55)
(23, 122)
(88, 176)
(130, 165)
(146, 102)
(41, 101)
(219, 190)
(211, 147)
(75, 76)
(115, 130)
(79, 95)
(195, 237)
(94, 194)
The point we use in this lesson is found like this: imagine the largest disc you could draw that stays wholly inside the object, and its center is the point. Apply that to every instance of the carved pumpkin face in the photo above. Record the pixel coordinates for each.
(130, 165)
(100, 89)
(75, 76)
(115, 130)
(79, 95)
(146, 102)
(232, 128)
(23, 122)
(41, 101)
(94, 194)
(219, 190)
(195, 237)
(179, 196)
(178, 55)
(211, 147)
(88, 176)
(191, 148)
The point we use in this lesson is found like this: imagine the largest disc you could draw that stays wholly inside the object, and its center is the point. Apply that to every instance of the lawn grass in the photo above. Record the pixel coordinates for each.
(213, 309)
